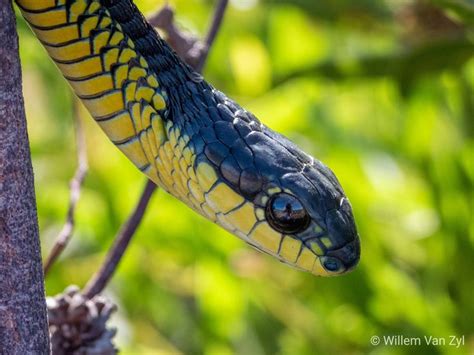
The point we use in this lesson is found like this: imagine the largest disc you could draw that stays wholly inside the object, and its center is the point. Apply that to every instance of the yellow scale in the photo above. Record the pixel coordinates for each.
(129, 114)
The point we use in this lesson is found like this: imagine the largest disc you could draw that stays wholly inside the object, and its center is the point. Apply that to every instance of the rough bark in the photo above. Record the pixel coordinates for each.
(23, 320)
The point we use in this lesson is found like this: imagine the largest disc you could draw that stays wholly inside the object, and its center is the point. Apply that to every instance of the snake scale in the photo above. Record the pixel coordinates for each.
(192, 140)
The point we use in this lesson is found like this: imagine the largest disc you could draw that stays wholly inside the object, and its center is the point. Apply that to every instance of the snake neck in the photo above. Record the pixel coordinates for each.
(179, 82)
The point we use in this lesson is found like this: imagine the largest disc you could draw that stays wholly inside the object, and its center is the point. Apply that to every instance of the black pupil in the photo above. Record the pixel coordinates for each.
(286, 214)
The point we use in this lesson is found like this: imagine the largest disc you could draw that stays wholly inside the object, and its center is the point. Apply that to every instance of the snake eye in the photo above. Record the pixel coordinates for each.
(286, 214)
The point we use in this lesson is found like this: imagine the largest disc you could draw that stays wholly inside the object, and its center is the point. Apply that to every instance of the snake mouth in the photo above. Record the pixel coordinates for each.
(338, 262)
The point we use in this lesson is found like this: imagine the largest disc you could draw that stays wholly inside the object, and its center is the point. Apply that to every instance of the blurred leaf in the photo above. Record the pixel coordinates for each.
(462, 8)
(403, 67)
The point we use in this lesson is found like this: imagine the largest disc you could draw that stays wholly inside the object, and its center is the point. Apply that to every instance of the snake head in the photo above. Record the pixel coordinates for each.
(294, 207)
(303, 216)
(271, 194)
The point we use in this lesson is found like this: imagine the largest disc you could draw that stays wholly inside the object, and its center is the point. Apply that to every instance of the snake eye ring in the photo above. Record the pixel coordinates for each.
(286, 214)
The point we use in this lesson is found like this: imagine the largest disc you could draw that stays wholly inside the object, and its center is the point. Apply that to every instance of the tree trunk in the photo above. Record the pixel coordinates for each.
(23, 317)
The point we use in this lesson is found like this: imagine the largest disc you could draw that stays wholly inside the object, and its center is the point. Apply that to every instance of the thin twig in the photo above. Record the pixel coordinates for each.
(212, 34)
(185, 44)
(75, 186)
(98, 282)
(122, 240)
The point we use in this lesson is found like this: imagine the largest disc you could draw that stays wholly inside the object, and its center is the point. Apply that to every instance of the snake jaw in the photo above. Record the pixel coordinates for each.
(326, 246)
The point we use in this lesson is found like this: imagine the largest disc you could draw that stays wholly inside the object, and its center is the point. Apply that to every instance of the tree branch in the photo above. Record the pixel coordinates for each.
(23, 321)
(122, 240)
(97, 283)
(185, 44)
(212, 34)
(65, 235)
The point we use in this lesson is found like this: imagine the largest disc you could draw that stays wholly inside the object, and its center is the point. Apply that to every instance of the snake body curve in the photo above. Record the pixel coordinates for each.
(192, 140)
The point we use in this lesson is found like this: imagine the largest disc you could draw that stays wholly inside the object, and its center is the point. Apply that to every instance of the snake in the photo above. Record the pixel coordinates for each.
(192, 140)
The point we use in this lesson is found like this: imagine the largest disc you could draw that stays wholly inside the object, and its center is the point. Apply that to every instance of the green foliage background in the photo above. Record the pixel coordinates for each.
(380, 91)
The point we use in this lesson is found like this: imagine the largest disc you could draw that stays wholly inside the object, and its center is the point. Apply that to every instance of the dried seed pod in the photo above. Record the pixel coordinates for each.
(78, 325)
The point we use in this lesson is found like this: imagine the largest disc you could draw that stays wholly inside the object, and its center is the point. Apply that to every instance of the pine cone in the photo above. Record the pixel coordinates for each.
(78, 325)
